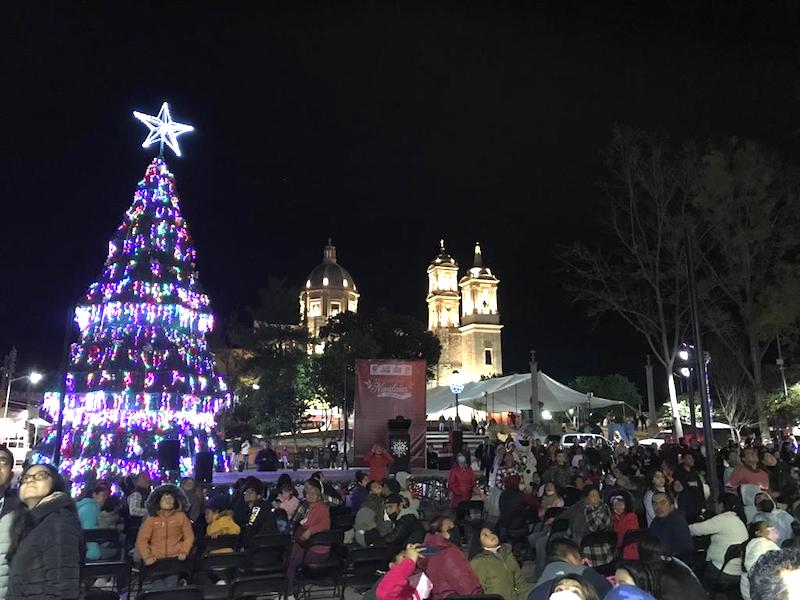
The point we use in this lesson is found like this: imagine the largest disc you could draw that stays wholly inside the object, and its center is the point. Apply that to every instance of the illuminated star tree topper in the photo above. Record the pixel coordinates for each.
(163, 130)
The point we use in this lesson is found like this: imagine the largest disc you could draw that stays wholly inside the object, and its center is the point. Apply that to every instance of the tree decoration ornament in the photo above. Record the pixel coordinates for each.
(141, 371)
(163, 130)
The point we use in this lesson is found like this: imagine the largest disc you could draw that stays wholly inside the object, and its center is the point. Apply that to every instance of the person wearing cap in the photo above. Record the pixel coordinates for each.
(220, 521)
(406, 527)
(261, 519)
(9, 501)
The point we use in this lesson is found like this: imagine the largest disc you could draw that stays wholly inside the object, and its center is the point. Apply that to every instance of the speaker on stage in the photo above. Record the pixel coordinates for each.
(203, 467)
(456, 441)
(169, 455)
(399, 444)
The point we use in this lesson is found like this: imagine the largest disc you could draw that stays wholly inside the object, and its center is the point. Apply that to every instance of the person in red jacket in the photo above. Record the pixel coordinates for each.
(624, 520)
(403, 582)
(460, 482)
(448, 567)
(378, 460)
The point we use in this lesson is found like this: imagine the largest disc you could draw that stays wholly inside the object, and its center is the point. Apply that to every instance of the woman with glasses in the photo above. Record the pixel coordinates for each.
(47, 547)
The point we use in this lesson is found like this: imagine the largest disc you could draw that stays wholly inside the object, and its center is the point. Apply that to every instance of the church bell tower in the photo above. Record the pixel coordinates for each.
(443, 318)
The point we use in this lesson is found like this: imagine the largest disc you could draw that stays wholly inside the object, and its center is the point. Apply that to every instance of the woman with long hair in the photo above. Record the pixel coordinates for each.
(494, 564)
(47, 548)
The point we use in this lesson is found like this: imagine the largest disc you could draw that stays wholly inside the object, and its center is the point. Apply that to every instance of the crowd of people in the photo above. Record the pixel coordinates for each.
(590, 521)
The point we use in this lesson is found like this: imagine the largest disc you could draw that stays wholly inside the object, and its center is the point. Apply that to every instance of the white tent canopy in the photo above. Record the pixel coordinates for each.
(509, 394)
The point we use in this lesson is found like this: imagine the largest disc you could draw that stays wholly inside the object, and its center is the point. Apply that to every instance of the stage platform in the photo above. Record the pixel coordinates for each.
(337, 475)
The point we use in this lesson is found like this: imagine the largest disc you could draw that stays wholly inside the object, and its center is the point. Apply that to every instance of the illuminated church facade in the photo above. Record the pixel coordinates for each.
(462, 313)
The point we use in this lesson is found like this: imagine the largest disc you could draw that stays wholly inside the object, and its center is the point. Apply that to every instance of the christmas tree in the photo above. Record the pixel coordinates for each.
(141, 371)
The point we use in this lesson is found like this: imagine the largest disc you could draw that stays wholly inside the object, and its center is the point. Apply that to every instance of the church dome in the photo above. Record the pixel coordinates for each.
(329, 273)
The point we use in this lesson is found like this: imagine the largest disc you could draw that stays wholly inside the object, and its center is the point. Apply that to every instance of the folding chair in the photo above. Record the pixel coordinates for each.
(223, 541)
(324, 574)
(117, 570)
(267, 554)
(181, 593)
(108, 537)
(362, 566)
(717, 584)
(629, 539)
(342, 521)
(164, 568)
(214, 568)
(248, 588)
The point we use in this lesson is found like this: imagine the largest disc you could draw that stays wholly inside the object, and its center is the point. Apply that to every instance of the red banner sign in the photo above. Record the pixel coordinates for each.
(386, 389)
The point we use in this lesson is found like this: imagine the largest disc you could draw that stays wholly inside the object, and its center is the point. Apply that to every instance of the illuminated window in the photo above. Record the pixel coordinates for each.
(324, 281)
(487, 356)
(336, 308)
(308, 283)
(344, 282)
(315, 309)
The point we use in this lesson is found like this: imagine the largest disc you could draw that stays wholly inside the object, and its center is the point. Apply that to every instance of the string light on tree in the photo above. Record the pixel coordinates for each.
(141, 371)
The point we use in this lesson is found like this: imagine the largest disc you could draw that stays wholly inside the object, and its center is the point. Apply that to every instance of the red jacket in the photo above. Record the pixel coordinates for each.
(449, 570)
(623, 524)
(378, 465)
(461, 482)
(395, 584)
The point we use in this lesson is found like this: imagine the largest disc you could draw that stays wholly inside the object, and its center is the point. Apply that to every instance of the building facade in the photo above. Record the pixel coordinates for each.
(463, 314)
(328, 291)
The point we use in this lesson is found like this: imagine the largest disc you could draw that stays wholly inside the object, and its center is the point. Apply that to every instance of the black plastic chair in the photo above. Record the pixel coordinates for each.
(717, 583)
(164, 568)
(109, 537)
(362, 566)
(118, 570)
(326, 574)
(92, 594)
(602, 538)
(630, 538)
(267, 554)
(343, 521)
(181, 593)
(213, 568)
(245, 588)
(223, 541)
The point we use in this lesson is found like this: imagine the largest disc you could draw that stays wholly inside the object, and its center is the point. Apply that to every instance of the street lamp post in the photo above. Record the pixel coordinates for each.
(456, 386)
(688, 373)
(33, 377)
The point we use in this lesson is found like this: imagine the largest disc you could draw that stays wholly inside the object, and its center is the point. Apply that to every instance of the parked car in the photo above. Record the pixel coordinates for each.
(569, 438)
(721, 434)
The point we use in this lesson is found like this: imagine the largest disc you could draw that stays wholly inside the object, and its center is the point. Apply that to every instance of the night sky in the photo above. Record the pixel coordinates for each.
(385, 126)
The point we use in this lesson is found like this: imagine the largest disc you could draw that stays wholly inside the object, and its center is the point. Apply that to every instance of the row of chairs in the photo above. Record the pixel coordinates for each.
(266, 557)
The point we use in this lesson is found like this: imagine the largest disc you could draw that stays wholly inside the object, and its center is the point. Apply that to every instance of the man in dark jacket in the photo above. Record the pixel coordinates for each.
(406, 529)
(266, 459)
(261, 520)
(692, 485)
(670, 526)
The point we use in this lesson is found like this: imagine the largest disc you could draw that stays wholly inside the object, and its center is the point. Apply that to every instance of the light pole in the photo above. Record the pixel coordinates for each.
(33, 377)
(456, 386)
(685, 354)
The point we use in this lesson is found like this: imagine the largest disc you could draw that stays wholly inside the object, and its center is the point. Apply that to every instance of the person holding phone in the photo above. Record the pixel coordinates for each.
(404, 580)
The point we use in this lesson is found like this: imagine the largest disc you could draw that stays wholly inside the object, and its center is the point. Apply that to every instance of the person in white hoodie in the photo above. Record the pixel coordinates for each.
(777, 517)
(726, 529)
(762, 540)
